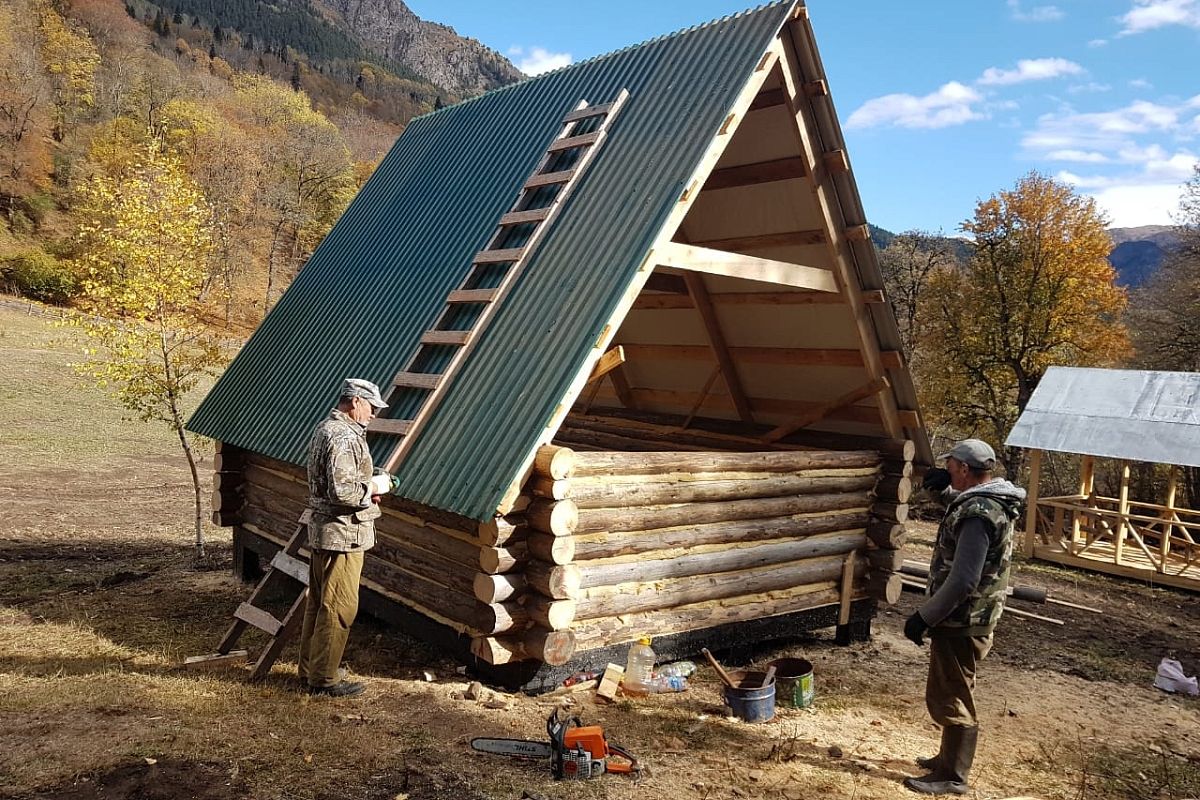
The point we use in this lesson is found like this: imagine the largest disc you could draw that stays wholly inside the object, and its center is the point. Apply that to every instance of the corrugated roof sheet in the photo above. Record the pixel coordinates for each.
(379, 279)
(1114, 413)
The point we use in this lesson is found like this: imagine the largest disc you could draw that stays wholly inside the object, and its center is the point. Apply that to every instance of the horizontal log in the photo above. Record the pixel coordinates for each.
(437, 568)
(712, 461)
(501, 617)
(497, 588)
(550, 548)
(551, 647)
(559, 517)
(541, 486)
(885, 587)
(617, 493)
(649, 517)
(606, 573)
(560, 582)
(502, 530)
(889, 511)
(553, 462)
(885, 560)
(608, 631)
(498, 560)
(894, 487)
(226, 519)
(228, 501)
(230, 460)
(556, 615)
(227, 481)
(898, 449)
(887, 535)
(901, 468)
(640, 596)
(592, 441)
(606, 544)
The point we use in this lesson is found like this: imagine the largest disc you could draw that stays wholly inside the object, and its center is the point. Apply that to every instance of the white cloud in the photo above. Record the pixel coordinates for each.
(1140, 83)
(1035, 14)
(1030, 69)
(952, 104)
(1104, 131)
(1147, 15)
(537, 60)
(1089, 88)
(1098, 43)
(1081, 156)
(1128, 206)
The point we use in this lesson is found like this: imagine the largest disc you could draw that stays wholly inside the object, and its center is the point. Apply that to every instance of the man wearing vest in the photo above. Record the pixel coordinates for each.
(343, 494)
(968, 579)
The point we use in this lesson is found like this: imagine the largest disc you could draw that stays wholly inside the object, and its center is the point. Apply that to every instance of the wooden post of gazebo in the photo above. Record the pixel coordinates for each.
(1164, 547)
(1123, 511)
(1031, 512)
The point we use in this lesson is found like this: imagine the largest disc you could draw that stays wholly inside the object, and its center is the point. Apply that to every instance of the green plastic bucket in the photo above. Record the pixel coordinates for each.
(793, 682)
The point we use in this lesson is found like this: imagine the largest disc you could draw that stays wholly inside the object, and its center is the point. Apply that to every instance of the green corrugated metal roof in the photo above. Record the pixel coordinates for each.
(379, 279)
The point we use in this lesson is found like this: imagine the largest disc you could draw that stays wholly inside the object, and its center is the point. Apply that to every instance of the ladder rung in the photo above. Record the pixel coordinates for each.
(445, 337)
(293, 567)
(589, 111)
(571, 142)
(252, 615)
(393, 427)
(472, 296)
(522, 217)
(550, 179)
(416, 380)
(498, 256)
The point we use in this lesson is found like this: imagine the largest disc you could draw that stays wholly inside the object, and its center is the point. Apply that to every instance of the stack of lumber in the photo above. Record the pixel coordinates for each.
(889, 512)
(619, 545)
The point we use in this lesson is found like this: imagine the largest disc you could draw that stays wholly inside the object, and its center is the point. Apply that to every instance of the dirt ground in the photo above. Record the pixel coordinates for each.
(101, 598)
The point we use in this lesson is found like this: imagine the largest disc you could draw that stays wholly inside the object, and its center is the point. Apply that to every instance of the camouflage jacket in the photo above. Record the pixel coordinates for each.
(339, 469)
(997, 503)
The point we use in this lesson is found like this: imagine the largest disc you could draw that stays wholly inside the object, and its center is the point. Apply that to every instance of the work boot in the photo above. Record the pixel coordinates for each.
(343, 689)
(931, 763)
(950, 776)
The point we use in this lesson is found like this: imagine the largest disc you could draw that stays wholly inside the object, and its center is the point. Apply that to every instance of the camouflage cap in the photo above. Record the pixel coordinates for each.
(357, 387)
(974, 453)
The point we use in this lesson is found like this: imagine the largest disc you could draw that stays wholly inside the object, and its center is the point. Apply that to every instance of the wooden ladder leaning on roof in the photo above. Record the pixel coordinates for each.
(494, 271)
(287, 569)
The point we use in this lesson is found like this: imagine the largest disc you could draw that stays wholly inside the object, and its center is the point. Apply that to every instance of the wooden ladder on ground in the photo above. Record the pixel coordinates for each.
(494, 271)
(286, 569)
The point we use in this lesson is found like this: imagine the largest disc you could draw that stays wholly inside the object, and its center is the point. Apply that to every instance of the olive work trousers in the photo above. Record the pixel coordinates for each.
(333, 579)
(950, 688)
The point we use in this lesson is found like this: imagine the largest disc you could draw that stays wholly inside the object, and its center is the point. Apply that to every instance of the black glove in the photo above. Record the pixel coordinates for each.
(914, 629)
(936, 480)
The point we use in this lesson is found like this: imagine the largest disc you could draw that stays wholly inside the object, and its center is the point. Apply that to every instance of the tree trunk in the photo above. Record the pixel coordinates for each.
(177, 424)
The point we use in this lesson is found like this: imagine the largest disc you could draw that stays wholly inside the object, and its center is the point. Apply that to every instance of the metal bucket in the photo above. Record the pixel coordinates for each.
(750, 700)
(794, 682)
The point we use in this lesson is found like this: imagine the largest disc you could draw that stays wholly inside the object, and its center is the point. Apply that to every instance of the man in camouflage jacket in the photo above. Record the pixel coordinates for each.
(968, 581)
(344, 492)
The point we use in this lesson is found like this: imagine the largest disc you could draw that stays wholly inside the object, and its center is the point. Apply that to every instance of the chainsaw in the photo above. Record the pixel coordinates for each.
(576, 752)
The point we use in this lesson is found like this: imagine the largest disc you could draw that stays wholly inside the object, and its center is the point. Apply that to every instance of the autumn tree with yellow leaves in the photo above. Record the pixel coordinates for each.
(1037, 291)
(145, 240)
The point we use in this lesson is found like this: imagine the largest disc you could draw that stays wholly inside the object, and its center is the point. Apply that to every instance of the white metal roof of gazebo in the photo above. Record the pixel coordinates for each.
(1137, 415)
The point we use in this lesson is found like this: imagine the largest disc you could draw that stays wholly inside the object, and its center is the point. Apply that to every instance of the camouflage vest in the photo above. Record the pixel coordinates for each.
(339, 468)
(979, 613)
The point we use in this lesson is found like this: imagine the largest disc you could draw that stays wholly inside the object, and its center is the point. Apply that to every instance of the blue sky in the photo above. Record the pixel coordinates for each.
(945, 102)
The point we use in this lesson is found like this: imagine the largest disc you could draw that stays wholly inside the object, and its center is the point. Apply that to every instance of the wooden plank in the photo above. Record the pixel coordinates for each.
(291, 566)
(1123, 510)
(446, 337)
(768, 99)
(720, 349)
(781, 169)
(416, 380)
(524, 217)
(572, 142)
(765, 240)
(836, 161)
(460, 296)
(260, 619)
(390, 427)
(781, 298)
(846, 589)
(498, 256)
(1035, 476)
(1052, 554)
(816, 88)
(784, 356)
(1164, 547)
(736, 265)
(550, 179)
(235, 657)
(587, 112)
(819, 413)
(858, 233)
(607, 363)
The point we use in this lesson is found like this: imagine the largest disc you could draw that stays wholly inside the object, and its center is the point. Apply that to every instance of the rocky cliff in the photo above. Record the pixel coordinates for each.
(434, 52)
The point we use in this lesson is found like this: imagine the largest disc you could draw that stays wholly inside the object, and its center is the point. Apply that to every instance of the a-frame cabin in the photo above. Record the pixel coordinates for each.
(643, 376)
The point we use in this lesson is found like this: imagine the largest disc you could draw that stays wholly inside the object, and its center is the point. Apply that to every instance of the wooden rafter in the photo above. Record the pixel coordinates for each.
(739, 244)
(870, 389)
(607, 363)
(784, 356)
(780, 169)
(736, 265)
(720, 349)
(675, 300)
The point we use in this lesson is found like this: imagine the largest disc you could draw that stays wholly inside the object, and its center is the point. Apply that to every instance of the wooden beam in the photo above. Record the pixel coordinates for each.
(1123, 510)
(607, 363)
(858, 233)
(672, 284)
(836, 162)
(716, 340)
(1035, 476)
(760, 241)
(768, 98)
(735, 265)
(781, 169)
(754, 299)
(816, 89)
(819, 413)
(753, 355)
(657, 398)
(1164, 548)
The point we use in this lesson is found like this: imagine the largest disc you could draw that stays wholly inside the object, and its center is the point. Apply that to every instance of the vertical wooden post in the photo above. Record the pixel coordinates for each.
(1123, 511)
(1087, 484)
(1164, 547)
(1031, 513)
(842, 632)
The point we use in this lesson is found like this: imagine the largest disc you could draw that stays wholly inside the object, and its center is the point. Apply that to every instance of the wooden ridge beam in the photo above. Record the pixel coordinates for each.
(781, 169)
(693, 258)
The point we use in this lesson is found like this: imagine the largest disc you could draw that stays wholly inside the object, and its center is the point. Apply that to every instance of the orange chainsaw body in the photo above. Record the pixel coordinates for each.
(591, 738)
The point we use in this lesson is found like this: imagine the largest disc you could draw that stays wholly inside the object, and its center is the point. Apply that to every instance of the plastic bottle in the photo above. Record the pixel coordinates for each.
(638, 668)
(668, 683)
(680, 669)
